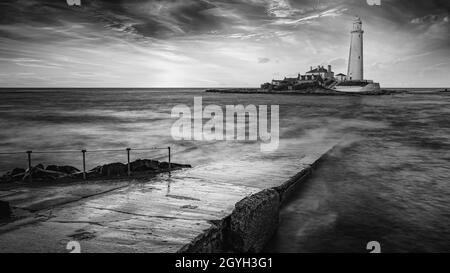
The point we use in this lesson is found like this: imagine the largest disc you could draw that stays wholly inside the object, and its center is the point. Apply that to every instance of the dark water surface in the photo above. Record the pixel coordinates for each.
(390, 182)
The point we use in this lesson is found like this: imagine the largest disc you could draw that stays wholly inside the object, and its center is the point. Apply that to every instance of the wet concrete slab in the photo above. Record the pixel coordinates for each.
(39, 198)
(161, 214)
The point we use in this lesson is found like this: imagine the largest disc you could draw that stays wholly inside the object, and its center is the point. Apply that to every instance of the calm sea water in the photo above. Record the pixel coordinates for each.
(389, 183)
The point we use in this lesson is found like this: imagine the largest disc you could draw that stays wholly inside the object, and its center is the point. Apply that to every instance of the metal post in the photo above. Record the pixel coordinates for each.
(170, 165)
(84, 164)
(128, 160)
(29, 165)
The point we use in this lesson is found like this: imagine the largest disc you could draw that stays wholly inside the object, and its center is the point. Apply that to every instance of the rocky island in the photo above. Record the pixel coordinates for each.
(316, 91)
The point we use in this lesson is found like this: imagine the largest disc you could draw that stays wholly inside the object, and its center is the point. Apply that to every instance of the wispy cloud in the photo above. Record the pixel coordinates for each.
(327, 13)
(263, 60)
(430, 19)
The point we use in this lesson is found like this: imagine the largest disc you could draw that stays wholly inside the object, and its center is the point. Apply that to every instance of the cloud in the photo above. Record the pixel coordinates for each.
(280, 8)
(338, 63)
(327, 13)
(429, 19)
(263, 60)
(193, 42)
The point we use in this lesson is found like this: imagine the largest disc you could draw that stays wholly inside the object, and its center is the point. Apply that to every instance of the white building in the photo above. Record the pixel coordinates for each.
(322, 72)
(340, 77)
(355, 82)
(355, 61)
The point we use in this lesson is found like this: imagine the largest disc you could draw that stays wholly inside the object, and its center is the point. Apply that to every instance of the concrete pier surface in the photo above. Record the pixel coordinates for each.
(192, 210)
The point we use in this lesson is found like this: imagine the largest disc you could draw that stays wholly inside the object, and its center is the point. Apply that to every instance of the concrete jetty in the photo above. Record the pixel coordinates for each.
(192, 210)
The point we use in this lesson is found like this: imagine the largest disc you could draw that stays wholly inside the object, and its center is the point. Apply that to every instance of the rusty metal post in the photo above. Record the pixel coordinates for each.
(29, 165)
(170, 164)
(128, 161)
(84, 163)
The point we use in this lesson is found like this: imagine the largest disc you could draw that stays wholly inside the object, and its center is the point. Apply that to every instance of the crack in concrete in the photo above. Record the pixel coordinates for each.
(148, 216)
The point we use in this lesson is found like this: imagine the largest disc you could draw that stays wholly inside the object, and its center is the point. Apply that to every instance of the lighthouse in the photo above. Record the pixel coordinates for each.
(355, 60)
(354, 82)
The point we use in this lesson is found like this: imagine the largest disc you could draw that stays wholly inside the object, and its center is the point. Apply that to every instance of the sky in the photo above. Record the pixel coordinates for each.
(218, 43)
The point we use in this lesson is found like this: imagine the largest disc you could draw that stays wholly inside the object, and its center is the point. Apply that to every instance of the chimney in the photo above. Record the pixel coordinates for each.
(310, 68)
(329, 68)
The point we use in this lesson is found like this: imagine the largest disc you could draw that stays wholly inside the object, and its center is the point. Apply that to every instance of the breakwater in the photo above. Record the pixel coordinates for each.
(254, 219)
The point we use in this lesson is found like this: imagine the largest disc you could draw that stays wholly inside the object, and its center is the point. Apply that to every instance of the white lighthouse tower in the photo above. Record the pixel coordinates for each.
(355, 81)
(355, 61)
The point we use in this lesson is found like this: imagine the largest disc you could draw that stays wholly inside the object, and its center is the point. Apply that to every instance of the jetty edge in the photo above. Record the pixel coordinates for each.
(255, 218)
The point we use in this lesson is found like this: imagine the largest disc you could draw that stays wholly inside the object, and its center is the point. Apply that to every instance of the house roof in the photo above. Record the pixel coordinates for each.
(318, 70)
(290, 79)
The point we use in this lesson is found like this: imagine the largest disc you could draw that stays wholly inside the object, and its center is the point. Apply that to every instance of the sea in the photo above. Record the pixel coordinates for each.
(388, 182)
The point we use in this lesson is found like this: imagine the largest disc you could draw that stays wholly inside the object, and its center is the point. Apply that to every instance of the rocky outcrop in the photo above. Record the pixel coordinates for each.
(62, 169)
(16, 171)
(54, 172)
(165, 165)
(40, 173)
(14, 175)
(113, 169)
(143, 165)
(137, 166)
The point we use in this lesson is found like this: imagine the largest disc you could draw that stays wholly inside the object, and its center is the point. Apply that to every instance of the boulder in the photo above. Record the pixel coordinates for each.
(113, 169)
(62, 169)
(39, 173)
(5, 210)
(97, 169)
(16, 171)
(142, 169)
(15, 175)
(176, 165)
(165, 165)
(68, 169)
(6, 179)
(52, 168)
(143, 165)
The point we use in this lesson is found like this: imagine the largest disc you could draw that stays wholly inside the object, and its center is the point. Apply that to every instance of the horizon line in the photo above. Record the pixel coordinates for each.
(179, 87)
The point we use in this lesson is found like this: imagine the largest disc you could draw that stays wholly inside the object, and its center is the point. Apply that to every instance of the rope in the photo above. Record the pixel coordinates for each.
(79, 151)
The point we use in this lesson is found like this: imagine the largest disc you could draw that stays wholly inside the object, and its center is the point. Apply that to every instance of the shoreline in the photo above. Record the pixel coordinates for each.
(311, 91)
